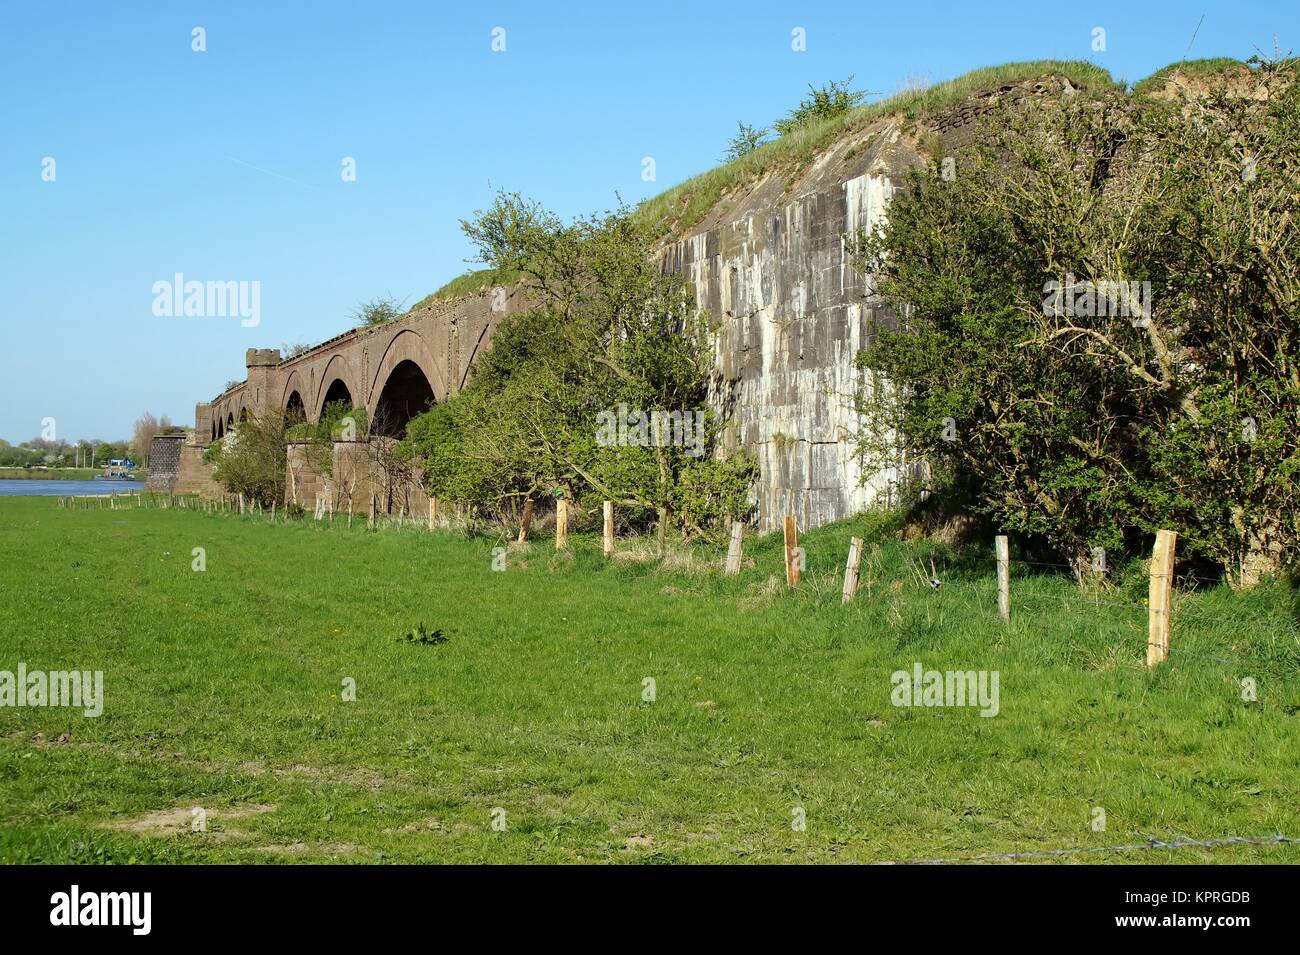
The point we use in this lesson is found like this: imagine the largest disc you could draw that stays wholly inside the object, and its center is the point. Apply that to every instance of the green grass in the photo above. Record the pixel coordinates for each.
(676, 210)
(1212, 66)
(470, 283)
(222, 690)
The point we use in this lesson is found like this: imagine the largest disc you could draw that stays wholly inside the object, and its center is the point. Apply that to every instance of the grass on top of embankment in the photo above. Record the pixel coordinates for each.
(676, 210)
(222, 690)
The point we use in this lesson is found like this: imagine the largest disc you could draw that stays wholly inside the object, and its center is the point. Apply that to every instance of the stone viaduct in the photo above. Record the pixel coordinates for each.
(394, 370)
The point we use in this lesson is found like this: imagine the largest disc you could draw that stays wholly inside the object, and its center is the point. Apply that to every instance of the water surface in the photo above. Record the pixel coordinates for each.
(37, 488)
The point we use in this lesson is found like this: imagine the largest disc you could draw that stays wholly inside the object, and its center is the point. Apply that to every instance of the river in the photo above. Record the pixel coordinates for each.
(37, 488)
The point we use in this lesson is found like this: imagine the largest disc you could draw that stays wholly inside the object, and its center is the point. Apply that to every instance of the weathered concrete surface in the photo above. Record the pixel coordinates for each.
(772, 267)
(771, 263)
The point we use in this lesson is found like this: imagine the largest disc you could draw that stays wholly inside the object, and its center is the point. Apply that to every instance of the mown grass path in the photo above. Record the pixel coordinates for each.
(223, 690)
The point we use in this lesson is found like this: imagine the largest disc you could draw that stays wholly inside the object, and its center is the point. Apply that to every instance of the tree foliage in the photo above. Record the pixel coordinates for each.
(377, 311)
(746, 140)
(823, 102)
(1158, 386)
(604, 333)
(250, 459)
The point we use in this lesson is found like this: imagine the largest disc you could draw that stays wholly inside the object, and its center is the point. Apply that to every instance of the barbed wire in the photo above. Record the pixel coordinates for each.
(1178, 842)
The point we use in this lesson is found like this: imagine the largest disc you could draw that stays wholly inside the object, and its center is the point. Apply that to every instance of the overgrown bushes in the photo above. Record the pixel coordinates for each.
(599, 387)
(250, 459)
(1156, 383)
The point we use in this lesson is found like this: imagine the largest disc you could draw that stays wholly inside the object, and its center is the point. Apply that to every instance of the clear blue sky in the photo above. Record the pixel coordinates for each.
(155, 147)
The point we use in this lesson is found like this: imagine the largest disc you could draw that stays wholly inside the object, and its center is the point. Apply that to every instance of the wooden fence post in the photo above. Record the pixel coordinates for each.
(852, 568)
(561, 524)
(273, 512)
(526, 521)
(609, 529)
(241, 502)
(1159, 597)
(1004, 577)
(733, 549)
(433, 512)
(791, 551)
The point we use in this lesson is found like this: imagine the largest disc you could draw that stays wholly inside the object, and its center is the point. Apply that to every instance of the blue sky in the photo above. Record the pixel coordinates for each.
(225, 164)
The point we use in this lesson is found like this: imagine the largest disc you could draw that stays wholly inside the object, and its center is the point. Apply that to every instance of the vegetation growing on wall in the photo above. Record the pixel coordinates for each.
(377, 311)
(1160, 386)
(339, 421)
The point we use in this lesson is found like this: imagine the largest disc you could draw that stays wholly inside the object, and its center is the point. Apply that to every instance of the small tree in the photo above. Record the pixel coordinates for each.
(746, 140)
(250, 460)
(377, 311)
(823, 102)
(147, 427)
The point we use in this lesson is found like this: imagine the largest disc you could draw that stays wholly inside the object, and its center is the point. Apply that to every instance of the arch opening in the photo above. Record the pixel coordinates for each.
(294, 410)
(337, 391)
(406, 393)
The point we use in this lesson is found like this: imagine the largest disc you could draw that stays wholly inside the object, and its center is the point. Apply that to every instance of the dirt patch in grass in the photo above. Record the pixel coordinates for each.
(294, 849)
(169, 822)
(39, 739)
(368, 779)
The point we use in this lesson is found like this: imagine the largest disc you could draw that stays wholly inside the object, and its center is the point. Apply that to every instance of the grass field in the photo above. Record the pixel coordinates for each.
(223, 690)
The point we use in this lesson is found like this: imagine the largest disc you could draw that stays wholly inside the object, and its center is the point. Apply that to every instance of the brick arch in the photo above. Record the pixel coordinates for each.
(406, 345)
(293, 383)
(338, 368)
